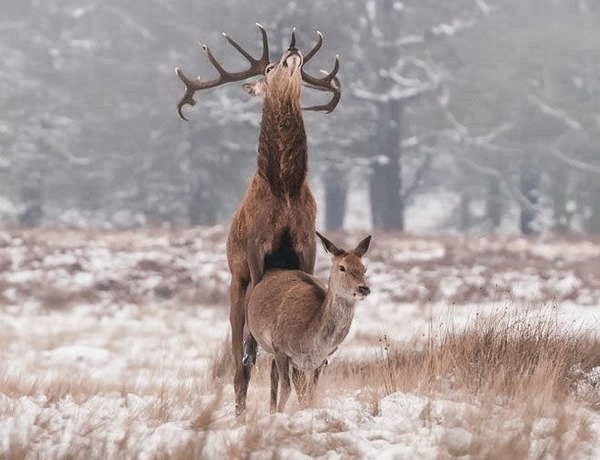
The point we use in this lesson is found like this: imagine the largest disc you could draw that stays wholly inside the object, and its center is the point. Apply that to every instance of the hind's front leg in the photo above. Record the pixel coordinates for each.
(299, 381)
(274, 385)
(283, 367)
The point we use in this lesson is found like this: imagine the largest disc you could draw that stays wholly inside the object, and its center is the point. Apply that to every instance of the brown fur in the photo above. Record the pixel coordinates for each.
(277, 214)
(295, 318)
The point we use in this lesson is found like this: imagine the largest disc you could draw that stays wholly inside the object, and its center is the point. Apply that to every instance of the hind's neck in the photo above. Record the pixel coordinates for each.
(335, 318)
(282, 147)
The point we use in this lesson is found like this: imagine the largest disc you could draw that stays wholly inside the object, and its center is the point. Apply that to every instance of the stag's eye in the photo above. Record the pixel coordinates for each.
(342, 268)
(269, 68)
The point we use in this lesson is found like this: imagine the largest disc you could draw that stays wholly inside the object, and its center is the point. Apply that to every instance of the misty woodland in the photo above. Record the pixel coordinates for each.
(316, 229)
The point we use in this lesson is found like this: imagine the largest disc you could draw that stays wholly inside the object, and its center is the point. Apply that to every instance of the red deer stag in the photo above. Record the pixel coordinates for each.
(275, 223)
(300, 322)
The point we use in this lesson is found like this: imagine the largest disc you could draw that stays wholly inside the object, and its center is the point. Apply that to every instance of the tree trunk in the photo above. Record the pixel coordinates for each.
(494, 203)
(336, 191)
(202, 208)
(528, 184)
(385, 186)
(465, 212)
(558, 194)
(32, 197)
(592, 224)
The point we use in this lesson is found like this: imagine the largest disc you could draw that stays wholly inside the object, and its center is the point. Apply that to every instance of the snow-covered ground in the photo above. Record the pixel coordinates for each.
(114, 344)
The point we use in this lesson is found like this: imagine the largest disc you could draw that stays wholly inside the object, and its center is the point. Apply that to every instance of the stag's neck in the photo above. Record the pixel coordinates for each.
(282, 147)
(335, 318)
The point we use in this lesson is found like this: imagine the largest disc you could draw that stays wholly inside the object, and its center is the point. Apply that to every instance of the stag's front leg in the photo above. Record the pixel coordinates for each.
(237, 319)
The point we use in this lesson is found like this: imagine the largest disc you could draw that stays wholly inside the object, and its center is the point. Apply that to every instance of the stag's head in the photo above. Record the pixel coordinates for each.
(284, 76)
(347, 276)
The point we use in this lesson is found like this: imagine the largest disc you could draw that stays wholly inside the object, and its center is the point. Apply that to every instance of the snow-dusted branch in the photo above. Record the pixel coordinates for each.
(404, 88)
(512, 188)
(574, 163)
(555, 112)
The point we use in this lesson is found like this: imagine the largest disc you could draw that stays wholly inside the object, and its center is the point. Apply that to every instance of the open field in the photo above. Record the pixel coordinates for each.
(114, 345)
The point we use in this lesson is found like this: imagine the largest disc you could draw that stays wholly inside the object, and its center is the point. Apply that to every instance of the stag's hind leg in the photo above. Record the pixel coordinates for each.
(237, 319)
(256, 266)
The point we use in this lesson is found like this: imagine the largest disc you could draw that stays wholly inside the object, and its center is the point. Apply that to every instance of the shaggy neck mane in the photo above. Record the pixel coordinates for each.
(282, 148)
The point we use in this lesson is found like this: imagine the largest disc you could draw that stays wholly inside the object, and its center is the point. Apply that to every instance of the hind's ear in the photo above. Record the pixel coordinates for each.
(329, 246)
(362, 247)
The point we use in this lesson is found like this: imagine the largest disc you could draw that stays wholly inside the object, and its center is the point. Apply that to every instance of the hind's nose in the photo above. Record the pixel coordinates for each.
(364, 290)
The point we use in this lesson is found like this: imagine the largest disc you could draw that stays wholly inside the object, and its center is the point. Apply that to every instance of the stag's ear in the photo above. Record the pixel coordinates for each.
(256, 88)
(362, 247)
(329, 246)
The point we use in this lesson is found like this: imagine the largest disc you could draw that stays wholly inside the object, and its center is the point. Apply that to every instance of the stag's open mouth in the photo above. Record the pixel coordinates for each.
(293, 61)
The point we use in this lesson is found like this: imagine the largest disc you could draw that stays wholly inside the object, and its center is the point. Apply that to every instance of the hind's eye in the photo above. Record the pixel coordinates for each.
(342, 268)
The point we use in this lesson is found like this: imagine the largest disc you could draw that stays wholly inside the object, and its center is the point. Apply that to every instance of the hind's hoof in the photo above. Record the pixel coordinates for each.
(249, 360)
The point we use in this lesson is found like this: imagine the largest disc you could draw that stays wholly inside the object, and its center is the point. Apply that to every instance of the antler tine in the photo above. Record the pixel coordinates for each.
(188, 96)
(257, 67)
(315, 48)
(239, 49)
(218, 67)
(293, 39)
(329, 83)
(265, 51)
(335, 88)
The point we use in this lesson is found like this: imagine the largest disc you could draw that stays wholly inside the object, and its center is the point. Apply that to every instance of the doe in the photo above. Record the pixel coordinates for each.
(301, 322)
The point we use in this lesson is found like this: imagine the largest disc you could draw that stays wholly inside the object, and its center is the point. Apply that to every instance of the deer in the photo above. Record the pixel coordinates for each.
(299, 321)
(275, 223)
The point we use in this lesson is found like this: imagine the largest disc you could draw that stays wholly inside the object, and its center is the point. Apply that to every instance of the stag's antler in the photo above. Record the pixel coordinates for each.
(328, 83)
(257, 67)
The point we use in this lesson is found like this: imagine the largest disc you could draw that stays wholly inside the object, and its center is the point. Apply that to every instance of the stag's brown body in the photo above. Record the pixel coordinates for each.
(274, 226)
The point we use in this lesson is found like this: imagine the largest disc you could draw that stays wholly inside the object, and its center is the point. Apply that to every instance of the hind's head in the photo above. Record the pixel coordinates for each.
(347, 276)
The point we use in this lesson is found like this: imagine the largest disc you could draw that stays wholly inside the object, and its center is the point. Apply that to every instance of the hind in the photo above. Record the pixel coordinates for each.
(284, 257)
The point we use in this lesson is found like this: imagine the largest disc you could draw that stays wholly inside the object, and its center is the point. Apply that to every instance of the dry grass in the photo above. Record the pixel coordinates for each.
(508, 372)
(507, 368)
(511, 358)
